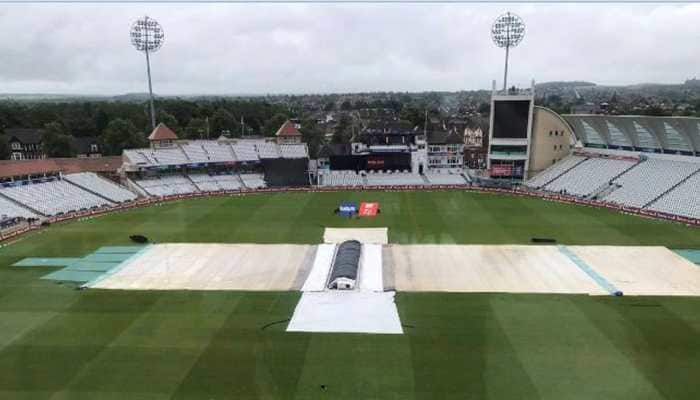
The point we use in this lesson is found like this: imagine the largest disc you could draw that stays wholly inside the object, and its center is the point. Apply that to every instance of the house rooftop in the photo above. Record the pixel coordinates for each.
(288, 129)
(162, 132)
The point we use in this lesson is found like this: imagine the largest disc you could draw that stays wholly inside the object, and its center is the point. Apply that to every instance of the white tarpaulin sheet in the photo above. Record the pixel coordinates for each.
(316, 281)
(364, 235)
(346, 312)
(371, 268)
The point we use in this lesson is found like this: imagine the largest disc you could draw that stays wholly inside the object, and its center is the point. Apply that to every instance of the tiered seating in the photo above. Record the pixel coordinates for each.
(395, 179)
(218, 152)
(205, 151)
(253, 181)
(56, 197)
(103, 187)
(212, 183)
(204, 182)
(648, 180)
(268, 150)
(138, 157)
(195, 152)
(293, 151)
(341, 178)
(229, 182)
(446, 179)
(683, 200)
(167, 185)
(588, 176)
(9, 209)
(174, 156)
(554, 171)
(245, 151)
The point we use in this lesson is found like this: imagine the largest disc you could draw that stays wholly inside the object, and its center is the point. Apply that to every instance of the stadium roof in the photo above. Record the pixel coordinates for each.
(288, 129)
(162, 132)
(677, 135)
(10, 168)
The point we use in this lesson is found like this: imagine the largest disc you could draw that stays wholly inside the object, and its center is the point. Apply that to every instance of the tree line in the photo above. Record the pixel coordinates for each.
(120, 125)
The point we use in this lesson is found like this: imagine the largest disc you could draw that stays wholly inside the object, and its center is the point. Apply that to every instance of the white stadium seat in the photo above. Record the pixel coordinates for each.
(682, 200)
(8, 209)
(55, 197)
(649, 180)
(167, 185)
(589, 175)
(90, 181)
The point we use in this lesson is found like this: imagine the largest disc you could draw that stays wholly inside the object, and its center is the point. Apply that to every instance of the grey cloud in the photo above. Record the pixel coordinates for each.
(305, 48)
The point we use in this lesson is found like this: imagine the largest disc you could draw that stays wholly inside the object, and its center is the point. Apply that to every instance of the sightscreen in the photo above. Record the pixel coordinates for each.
(510, 119)
(286, 172)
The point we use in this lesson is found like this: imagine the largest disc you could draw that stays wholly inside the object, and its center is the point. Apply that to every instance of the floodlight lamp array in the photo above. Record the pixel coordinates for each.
(508, 30)
(147, 35)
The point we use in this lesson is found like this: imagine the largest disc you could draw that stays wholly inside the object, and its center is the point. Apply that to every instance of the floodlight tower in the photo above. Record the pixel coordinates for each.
(148, 36)
(507, 31)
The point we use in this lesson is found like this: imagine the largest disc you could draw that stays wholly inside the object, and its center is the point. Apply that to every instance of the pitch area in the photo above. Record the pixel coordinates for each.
(60, 343)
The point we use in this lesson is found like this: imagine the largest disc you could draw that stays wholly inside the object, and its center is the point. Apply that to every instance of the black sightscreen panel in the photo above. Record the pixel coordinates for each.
(510, 119)
(286, 172)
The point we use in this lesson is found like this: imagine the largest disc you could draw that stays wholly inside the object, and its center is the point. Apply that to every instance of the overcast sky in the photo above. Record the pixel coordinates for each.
(321, 48)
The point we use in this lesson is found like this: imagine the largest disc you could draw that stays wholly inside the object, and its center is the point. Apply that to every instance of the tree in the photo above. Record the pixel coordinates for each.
(414, 115)
(484, 108)
(169, 120)
(121, 134)
(222, 121)
(4, 146)
(55, 142)
(101, 120)
(196, 129)
(343, 131)
(312, 135)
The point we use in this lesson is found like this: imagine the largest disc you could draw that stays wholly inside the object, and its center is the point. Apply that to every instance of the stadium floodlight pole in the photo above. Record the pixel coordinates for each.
(148, 36)
(507, 31)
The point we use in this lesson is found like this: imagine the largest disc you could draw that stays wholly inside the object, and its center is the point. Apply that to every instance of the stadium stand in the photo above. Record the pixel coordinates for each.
(293, 151)
(95, 184)
(395, 179)
(589, 176)
(211, 151)
(229, 182)
(253, 181)
(218, 152)
(55, 197)
(204, 182)
(341, 178)
(682, 200)
(174, 156)
(446, 179)
(555, 171)
(195, 152)
(245, 151)
(649, 180)
(167, 185)
(665, 183)
(268, 150)
(8, 209)
(138, 157)
(212, 183)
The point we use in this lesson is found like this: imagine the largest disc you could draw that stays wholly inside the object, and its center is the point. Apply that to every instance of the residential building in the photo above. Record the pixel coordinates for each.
(289, 133)
(25, 143)
(445, 150)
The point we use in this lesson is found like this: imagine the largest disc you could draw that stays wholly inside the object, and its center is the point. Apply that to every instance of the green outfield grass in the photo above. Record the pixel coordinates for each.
(61, 343)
